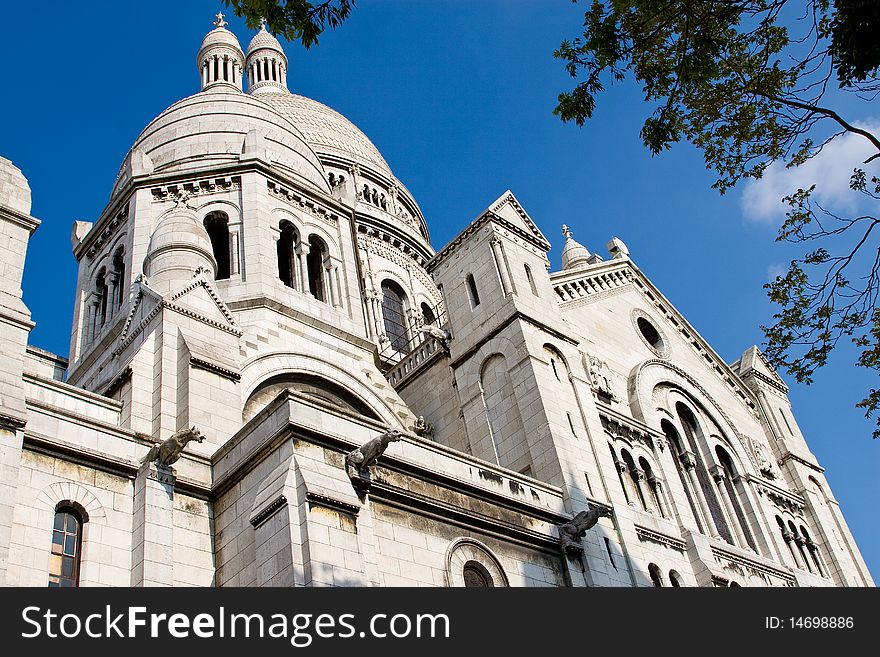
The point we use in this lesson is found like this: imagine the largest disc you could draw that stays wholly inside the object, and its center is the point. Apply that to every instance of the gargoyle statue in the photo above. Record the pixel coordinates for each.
(440, 335)
(169, 451)
(422, 428)
(571, 533)
(358, 461)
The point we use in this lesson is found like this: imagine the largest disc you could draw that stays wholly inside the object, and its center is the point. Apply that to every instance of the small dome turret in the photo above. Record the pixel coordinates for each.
(179, 246)
(266, 64)
(220, 59)
(574, 254)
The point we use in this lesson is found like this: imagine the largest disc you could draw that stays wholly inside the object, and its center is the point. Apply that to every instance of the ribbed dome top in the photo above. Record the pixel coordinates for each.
(264, 39)
(220, 36)
(327, 131)
(574, 254)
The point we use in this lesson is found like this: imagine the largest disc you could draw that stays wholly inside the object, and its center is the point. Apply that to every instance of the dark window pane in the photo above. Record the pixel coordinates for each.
(66, 583)
(70, 544)
(67, 567)
(53, 582)
(59, 520)
(57, 542)
(71, 524)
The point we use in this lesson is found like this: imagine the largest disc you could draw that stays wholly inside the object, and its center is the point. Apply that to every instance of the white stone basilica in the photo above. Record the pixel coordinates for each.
(356, 409)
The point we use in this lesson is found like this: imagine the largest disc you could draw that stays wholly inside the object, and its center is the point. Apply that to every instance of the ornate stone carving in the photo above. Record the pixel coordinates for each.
(167, 453)
(571, 533)
(422, 428)
(442, 336)
(358, 461)
(600, 376)
(762, 459)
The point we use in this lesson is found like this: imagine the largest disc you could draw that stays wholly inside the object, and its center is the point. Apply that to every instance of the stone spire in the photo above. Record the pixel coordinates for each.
(266, 64)
(220, 60)
(574, 254)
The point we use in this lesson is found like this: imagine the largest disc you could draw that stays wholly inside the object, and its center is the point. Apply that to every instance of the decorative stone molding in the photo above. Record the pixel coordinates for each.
(782, 499)
(731, 561)
(304, 203)
(593, 284)
(463, 550)
(635, 315)
(268, 511)
(655, 536)
(630, 430)
(99, 240)
(189, 189)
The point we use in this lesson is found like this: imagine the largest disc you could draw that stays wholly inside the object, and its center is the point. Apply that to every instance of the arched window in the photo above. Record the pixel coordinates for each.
(813, 549)
(729, 489)
(678, 454)
(101, 299)
(634, 478)
(531, 280)
(476, 575)
(394, 314)
(428, 316)
(788, 539)
(315, 265)
(800, 542)
(286, 258)
(675, 579)
(621, 468)
(656, 575)
(472, 291)
(119, 277)
(66, 551)
(217, 225)
(654, 493)
(689, 423)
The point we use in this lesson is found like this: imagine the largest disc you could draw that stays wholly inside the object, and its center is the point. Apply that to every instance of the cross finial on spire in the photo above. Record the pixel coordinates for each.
(220, 22)
(566, 232)
(262, 24)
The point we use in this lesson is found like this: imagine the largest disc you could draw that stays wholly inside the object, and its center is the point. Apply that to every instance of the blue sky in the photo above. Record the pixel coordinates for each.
(458, 96)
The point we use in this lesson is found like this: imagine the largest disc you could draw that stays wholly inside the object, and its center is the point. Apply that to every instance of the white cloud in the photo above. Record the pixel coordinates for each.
(776, 269)
(830, 171)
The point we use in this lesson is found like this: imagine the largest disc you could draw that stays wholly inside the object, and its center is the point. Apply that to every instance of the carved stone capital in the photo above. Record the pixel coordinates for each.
(688, 460)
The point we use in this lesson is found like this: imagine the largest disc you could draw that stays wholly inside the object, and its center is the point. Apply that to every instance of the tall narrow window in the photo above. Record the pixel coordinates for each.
(788, 538)
(217, 225)
(656, 575)
(531, 280)
(472, 291)
(394, 314)
(634, 479)
(730, 487)
(800, 542)
(677, 448)
(64, 560)
(620, 466)
(315, 264)
(101, 294)
(689, 423)
(119, 275)
(286, 259)
(653, 486)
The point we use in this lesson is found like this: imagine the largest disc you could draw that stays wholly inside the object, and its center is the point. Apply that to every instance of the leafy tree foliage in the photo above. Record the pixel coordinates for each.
(747, 82)
(295, 20)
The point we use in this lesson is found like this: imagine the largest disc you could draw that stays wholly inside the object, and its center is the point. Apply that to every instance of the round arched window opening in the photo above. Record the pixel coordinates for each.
(476, 575)
(650, 333)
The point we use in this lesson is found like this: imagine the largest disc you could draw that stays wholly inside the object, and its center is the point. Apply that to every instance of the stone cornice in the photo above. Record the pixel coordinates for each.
(629, 428)
(303, 202)
(474, 227)
(25, 221)
(753, 565)
(783, 499)
(647, 534)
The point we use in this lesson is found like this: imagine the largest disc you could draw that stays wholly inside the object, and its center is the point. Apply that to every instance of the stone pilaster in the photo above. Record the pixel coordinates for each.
(153, 529)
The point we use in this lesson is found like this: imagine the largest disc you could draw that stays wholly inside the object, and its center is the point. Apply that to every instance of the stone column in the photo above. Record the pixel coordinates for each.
(690, 464)
(719, 475)
(152, 535)
(302, 251)
(498, 254)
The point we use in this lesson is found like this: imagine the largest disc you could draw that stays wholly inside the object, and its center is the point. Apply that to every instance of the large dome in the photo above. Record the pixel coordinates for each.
(209, 129)
(327, 131)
